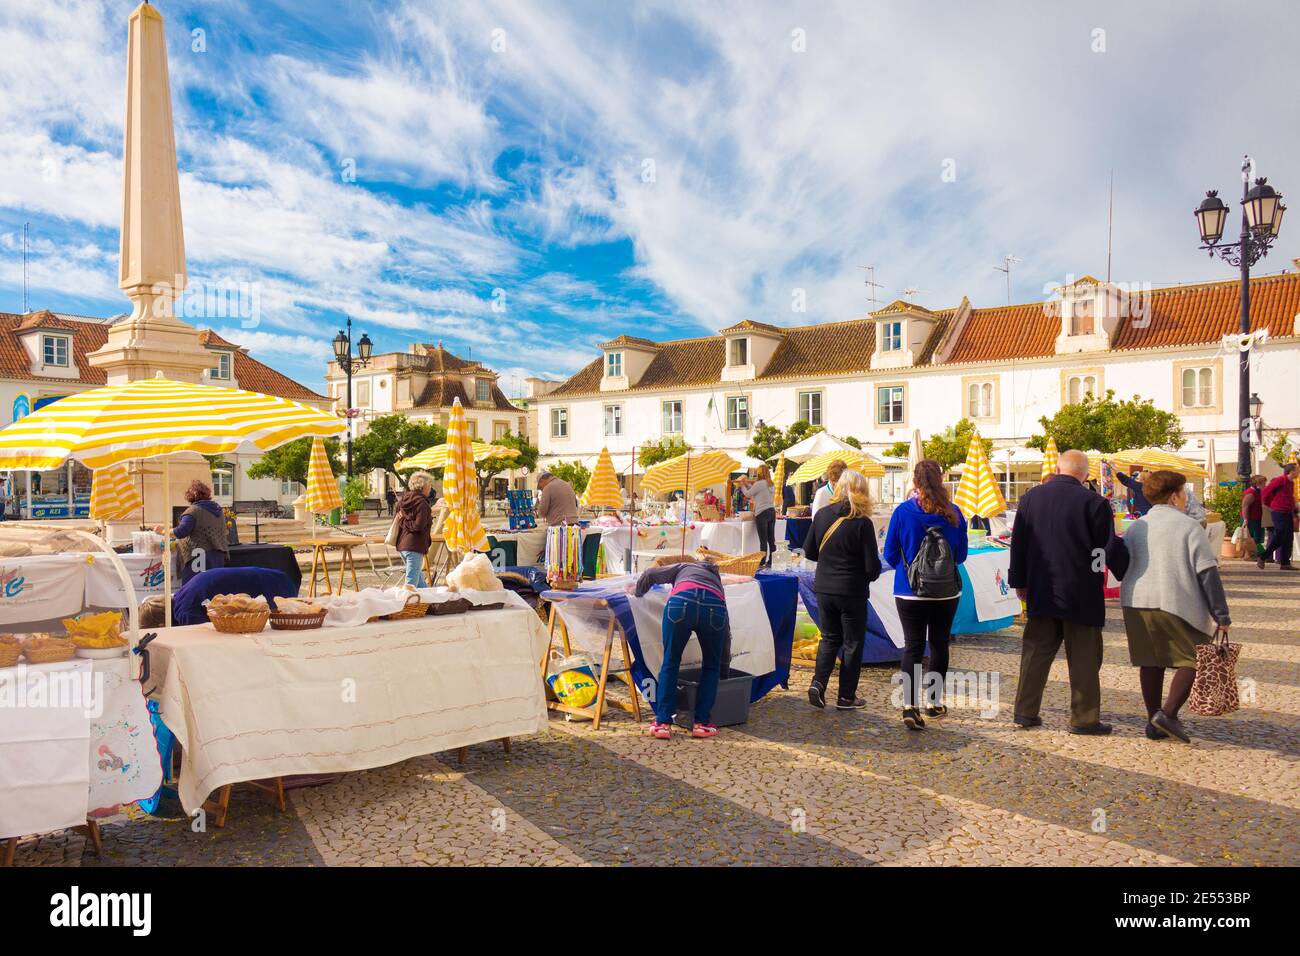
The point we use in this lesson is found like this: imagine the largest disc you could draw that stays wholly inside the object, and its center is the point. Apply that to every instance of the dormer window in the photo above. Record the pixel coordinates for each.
(739, 352)
(54, 350)
(482, 390)
(891, 336)
(613, 364)
(1082, 321)
(223, 369)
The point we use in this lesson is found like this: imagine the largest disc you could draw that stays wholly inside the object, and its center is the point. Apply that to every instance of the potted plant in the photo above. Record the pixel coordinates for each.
(354, 498)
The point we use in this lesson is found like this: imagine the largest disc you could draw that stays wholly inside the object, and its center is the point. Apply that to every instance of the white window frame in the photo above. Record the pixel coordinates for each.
(1080, 309)
(290, 489)
(1077, 387)
(482, 390)
(61, 345)
(891, 336)
(672, 420)
(980, 396)
(1204, 387)
(225, 369)
(500, 430)
(808, 414)
(613, 364)
(560, 422)
(362, 399)
(471, 426)
(613, 420)
(218, 476)
(736, 346)
(735, 413)
(902, 404)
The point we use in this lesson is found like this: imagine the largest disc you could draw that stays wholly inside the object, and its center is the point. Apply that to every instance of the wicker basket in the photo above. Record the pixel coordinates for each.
(414, 608)
(297, 622)
(666, 559)
(48, 650)
(249, 622)
(733, 563)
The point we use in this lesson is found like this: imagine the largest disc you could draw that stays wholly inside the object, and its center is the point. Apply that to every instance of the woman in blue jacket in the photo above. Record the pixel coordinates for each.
(924, 618)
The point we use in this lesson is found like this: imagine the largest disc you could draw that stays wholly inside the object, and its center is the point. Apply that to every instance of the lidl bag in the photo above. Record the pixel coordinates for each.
(572, 679)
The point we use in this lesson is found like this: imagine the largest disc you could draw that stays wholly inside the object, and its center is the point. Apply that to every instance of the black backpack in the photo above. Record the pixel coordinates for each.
(933, 572)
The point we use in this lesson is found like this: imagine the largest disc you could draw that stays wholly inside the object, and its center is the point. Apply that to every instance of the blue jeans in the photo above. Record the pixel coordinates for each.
(705, 614)
(414, 562)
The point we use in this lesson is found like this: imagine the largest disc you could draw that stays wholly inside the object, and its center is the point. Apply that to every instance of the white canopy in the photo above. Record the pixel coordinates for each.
(814, 445)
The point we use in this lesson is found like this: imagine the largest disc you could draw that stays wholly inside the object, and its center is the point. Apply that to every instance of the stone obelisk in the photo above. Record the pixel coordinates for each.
(151, 340)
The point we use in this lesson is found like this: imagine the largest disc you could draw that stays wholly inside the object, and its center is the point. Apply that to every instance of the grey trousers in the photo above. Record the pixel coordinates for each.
(1043, 637)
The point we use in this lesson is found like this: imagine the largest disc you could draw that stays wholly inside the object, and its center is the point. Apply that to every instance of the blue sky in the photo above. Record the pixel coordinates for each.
(525, 180)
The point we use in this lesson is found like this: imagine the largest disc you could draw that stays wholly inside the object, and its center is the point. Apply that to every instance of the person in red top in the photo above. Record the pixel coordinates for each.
(1279, 498)
(1252, 515)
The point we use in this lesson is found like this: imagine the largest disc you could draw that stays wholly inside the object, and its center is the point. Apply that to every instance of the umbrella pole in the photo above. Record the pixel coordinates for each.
(167, 550)
(686, 502)
(631, 516)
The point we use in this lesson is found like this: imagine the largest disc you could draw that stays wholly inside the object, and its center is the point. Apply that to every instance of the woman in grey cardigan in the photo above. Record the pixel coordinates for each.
(1173, 600)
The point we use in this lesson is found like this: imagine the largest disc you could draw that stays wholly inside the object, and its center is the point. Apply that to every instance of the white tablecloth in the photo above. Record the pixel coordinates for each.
(248, 707)
(732, 536)
(60, 764)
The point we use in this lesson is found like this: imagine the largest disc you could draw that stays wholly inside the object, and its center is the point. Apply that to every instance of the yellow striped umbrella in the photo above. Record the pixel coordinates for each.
(1295, 481)
(778, 479)
(706, 468)
(816, 467)
(1094, 464)
(152, 417)
(602, 488)
(322, 487)
(462, 528)
(1157, 459)
(1051, 457)
(978, 492)
(113, 494)
(436, 456)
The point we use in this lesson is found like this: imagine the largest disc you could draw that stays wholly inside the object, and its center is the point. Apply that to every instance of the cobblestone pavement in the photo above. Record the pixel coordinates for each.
(800, 786)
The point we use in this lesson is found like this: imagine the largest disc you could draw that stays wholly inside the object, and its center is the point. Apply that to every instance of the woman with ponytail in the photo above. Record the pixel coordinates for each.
(922, 617)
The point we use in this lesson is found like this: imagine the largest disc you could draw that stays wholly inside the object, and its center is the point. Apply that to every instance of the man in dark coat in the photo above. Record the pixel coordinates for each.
(1062, 540)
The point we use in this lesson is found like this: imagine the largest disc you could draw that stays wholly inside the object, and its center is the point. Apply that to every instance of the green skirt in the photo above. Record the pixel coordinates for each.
(1159, 639)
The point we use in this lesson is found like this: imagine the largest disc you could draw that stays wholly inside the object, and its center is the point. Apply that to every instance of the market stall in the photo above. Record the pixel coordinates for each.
(255, 706)
(731, 536)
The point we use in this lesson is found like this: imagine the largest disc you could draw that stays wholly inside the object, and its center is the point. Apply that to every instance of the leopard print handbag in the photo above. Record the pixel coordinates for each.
(1214, 692)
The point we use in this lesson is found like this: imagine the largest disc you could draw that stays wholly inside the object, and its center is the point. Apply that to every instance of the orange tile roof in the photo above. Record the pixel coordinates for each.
(1006, 332)
(749, 325)
(1189, 315)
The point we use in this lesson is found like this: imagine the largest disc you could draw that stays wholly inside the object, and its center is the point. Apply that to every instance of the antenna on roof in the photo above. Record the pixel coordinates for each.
(1110, 224)
(1006, 267)
(872, 285)
(911, 291)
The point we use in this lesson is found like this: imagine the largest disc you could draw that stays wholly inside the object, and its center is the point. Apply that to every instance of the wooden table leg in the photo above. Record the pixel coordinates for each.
(315, 557)
(91, 832)
(629, 679)
(461, 754)
(550, 639)
(219, 807)
(505, 742)
(8, 851)
(325, 568)
(604, 674)
(352, 563)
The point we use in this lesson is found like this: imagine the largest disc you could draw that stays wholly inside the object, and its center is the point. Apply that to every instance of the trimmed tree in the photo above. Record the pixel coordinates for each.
(489, 468)
(662, 450)
(289, 462)
(389, 439)
(1108, 426)
(574, 472)
(769, 441)
(950, 446)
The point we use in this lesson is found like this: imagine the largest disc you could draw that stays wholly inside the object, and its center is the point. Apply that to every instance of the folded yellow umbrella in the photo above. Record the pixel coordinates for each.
(462, 529)
(816, 467)
(113, 494)
(1051, 457)
(322, 488)
(978, 492)
(602, 488)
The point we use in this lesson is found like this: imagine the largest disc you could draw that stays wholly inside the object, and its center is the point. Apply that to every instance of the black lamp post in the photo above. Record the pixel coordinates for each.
(343, 355)
(1261, 220)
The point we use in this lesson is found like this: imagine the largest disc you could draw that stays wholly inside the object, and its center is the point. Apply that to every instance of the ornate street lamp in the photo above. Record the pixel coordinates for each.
(343, 355)
(1261, 221)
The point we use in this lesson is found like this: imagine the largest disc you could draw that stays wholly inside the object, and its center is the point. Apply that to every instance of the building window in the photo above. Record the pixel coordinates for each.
(290, 489)
(613, 421)
(1081, 321)
(672, 417)
(810, 407)
(889, 405)
(223, 369)
(613, 364)
(559, 423)
(739, 352)
(738, 413)
(1079, 386)
(471, 426)
(891, 336)
(482, 390)
(979, 400)
(55, 350)
(363, 394)
(1198, 387)
(500, 430)
(223, 484)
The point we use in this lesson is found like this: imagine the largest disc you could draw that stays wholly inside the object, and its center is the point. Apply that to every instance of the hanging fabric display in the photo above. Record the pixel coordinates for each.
(564, 556)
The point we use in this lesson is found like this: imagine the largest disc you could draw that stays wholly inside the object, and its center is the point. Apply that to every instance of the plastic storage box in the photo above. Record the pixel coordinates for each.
(731, 706)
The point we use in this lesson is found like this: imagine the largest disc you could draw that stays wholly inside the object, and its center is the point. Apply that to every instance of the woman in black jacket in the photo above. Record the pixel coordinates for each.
(842, 540)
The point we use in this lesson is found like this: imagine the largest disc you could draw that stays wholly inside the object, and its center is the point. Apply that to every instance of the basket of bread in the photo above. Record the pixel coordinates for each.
(48, 649)
(10, 649)
(238, 613)
(294, 614)
(414, 607)
(97, 635)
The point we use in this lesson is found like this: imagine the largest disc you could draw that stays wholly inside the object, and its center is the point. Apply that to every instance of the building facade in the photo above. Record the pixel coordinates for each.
(43, 357)
(422, 383)
(906, 368)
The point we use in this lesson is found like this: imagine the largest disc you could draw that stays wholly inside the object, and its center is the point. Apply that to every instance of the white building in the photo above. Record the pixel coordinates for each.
(422, 383)
(905, 368)
(43, 358)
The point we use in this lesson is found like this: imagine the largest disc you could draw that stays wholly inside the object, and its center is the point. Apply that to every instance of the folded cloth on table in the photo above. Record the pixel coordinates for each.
(477, 598)
(348, 610)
